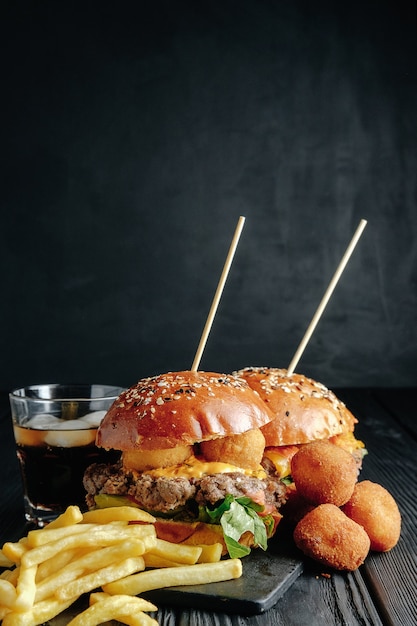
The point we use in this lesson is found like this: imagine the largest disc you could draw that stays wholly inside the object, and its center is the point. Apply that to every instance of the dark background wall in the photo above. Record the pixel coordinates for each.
(136, 133)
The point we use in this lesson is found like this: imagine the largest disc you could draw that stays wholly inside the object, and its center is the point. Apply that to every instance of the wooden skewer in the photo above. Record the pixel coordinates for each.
(326, 297)
(218, 294)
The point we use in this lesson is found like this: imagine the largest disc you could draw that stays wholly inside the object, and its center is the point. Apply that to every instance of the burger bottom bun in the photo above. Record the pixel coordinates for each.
(196, 533)
(142, 460)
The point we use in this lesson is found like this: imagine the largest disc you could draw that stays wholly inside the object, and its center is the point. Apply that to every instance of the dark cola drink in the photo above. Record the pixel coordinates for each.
(55, 427)
(52, 464)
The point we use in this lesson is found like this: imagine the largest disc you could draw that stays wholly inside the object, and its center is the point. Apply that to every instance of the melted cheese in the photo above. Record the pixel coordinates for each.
(196, 468)
(348, 442)
(281, 458)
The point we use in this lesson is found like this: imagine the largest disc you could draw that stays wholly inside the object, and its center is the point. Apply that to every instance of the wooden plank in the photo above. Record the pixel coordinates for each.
(392, 462)
(312, 601)
(401, 403)
(383, 592)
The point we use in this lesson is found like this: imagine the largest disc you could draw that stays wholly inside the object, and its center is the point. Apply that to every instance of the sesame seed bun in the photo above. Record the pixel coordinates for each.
(190, 443)
(305, 410)
(181, 409)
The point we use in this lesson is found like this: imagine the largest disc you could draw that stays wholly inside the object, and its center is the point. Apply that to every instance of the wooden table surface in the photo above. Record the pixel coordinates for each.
(382, 591)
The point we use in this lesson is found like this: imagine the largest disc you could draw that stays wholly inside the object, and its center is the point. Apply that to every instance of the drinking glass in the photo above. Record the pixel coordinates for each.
(55, 428)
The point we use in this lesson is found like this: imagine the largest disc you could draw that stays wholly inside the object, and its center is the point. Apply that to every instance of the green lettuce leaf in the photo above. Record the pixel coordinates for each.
(236, 516)
(235, 549)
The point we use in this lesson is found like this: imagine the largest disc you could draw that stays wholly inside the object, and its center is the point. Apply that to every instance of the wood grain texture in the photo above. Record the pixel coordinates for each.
(392, 462)
(380, 593)
(401, 405)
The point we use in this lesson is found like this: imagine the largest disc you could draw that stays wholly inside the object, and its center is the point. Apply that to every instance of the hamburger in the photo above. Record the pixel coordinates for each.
(191, 448)
(305, 411)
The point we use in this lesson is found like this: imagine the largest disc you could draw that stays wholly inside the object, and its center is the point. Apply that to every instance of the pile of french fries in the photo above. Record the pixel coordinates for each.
(111, 554)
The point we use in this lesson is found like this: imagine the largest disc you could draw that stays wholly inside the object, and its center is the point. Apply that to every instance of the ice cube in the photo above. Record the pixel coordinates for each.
(94, 418)
(42, 421)
(70, 425)
(70, 438)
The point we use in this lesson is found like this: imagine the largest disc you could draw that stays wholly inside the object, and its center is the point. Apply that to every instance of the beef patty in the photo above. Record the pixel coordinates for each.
(165, 494)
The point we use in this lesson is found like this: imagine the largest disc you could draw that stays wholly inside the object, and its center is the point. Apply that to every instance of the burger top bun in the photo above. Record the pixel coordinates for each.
(304, 409)
(180, 409)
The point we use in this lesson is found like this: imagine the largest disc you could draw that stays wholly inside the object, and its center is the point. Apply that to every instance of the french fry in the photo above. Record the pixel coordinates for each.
(96, 596)
(101, 577)
(57, 563)
(7, 593)
(42, 536)
(108, 548)
(15, 550)
(48, 587)
(92, 561)
(115, 607)
(3, 611)
(72, 515)
(140, 619)
(102, 536)
(38, 614)
(179, 553)
(112, 514)
(153, 560)
(210, 553)
(11, 575)
(4, 561)
(199, 574)
(26, 588)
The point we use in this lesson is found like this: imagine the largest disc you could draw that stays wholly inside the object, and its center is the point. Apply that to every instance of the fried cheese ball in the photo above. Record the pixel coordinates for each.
(374, 508)
(328, 536)
(324, 473)
(244, 450)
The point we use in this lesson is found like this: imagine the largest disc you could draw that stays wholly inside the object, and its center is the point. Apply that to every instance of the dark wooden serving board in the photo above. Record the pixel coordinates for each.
(266, 577)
